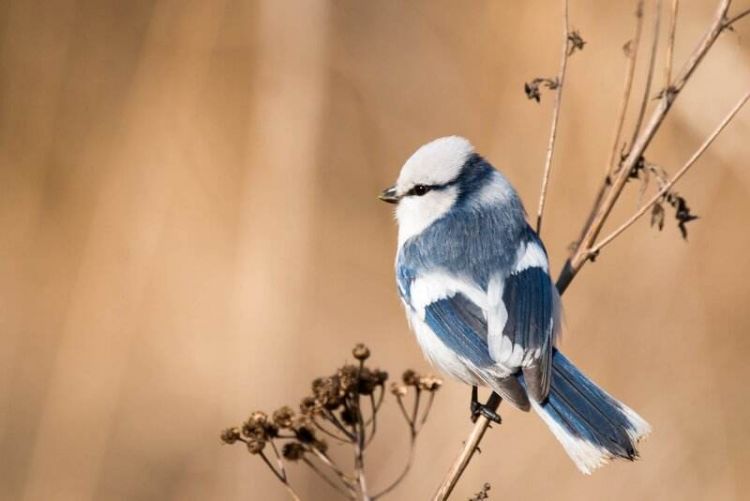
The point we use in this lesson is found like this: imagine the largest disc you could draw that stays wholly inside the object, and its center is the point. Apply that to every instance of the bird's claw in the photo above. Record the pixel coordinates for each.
(478, 409)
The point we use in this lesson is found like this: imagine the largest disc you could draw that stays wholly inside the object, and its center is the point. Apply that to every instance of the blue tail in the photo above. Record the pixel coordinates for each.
(592, 426)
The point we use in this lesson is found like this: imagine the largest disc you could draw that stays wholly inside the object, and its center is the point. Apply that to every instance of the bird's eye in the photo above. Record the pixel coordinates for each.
(420, 189)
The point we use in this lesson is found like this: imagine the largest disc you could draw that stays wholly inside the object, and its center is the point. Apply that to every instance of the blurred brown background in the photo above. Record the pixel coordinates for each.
(189, 231)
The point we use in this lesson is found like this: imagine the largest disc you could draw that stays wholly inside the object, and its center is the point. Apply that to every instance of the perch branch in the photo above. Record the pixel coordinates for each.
(729, 22)
(602, 208)
(669, 184)
(581, 254)
(555, 119)
(650, 75)
(670, 44)
(468, 450)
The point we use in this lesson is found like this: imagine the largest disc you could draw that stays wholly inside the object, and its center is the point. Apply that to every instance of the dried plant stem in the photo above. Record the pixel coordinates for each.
(729, 22)
(603, 205)
(281, 475)
(404, 472)
(467, 452)
(555, 119)
(326, 479)
(591, 231)
(650, 75)
(669, 184)
(670, 44)
(359, 451)
(632, 53)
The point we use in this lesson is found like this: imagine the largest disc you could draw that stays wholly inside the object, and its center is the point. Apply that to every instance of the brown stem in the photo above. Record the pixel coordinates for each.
(404, 472)
(348, 492)
(468, 450)
(602, 211)
(632, 45)
(729, 22)
(668, 185)
(582, 253)
(632, 53)
(555, 119)
(650, 76)
(670, 44)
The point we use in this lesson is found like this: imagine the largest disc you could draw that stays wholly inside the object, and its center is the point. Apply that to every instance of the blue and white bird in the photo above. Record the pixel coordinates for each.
(474, 280)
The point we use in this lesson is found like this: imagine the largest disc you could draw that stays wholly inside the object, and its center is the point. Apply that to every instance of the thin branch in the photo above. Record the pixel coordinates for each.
(670, 44)
(631, 48)
(555, 118)
(650, 76)
(279, 460)
(427, 409)
(359, 448)
(729, 22)
(668, 185)
(467, 452)
(348, 492)
(281, 478)
(581, 254)
(328, 432)
(602, 210)
(404, 472)
(323, 457)
(632, 52)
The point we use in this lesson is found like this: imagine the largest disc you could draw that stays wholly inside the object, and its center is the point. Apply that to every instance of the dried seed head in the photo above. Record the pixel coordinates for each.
(283, 417)
(348, 416)
(309, 406)
(361, 352)
(230, 435)
(293, 451)
(258, 426)
(410, 378)
(328, 392)
(255, 445)
(303, 429)
(321, 445)
(398, 390)
(381, 377)
(430, 383)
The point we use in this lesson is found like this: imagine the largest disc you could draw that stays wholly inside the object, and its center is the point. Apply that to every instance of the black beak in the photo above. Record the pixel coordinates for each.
(389, 195)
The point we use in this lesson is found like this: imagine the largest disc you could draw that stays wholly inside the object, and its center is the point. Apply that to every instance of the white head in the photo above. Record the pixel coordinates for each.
(425, 189)
(429, 184)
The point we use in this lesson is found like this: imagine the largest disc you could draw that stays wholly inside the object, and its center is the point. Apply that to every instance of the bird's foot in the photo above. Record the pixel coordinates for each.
(487, 410)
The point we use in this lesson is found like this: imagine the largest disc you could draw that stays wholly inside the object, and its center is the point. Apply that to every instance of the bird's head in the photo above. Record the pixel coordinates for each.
(433, 179)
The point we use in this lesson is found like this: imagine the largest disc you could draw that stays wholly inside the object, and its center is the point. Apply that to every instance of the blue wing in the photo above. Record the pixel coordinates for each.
(531, 302)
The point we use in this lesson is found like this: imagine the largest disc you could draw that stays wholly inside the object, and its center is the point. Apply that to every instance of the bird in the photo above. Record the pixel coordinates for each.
(473, 277)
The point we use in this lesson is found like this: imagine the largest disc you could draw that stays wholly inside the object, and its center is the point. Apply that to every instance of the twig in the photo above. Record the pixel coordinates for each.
(359, 449)
(668, 185)
(729, 22)
(348, 492)
(555, 119)
(581, 254)
(632, 52)
(468, 450)
(670, 45)
(602, 210)
(282, 478)
(426, 412)
(650, 76)
(632, 45)
(404, 472)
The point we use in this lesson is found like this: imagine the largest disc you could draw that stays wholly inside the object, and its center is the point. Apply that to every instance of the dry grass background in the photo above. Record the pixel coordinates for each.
(189, 231)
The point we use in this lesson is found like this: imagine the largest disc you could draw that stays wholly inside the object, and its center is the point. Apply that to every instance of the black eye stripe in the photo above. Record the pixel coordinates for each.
(419, 190)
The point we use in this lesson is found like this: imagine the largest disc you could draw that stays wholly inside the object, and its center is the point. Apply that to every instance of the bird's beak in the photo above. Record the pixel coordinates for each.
(389, 195)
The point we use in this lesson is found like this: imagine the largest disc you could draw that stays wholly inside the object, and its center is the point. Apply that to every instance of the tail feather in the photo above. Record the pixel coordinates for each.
(592, 426)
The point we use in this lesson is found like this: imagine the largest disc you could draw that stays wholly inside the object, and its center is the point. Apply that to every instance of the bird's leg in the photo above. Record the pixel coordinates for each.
(488, 410)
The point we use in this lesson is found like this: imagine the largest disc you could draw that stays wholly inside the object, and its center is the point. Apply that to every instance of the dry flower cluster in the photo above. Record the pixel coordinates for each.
(342, 408)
